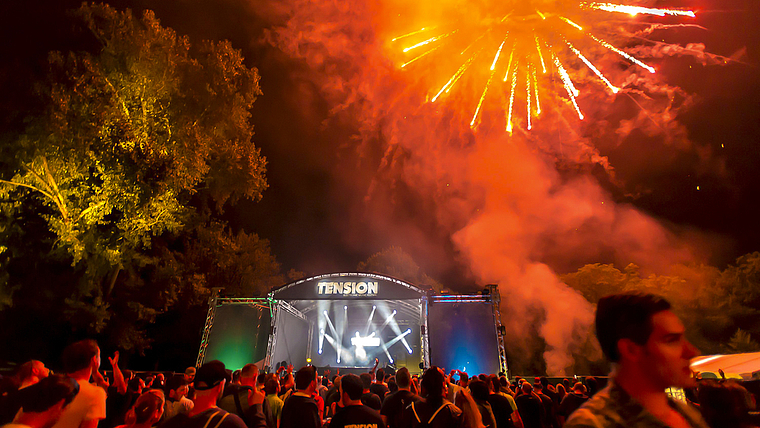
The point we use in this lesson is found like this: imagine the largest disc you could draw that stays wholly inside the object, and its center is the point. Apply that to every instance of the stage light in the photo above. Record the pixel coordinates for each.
(308, 360)
(345, 308)
(325, 312)
(369, 321)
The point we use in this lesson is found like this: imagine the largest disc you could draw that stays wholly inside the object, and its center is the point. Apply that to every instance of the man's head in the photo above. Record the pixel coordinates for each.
(190, 374)
(176, 387)
(433, 383)
(366, 379)
(351, 388)
(81, 355)
(538, 387)
(32, 371)
(46, 399)
(249, 374)
(380, 375)
(479, 390)
(403, 380)
(526, 388)
(640, 332)
(306, 379)
(210, 379)
(272, 386)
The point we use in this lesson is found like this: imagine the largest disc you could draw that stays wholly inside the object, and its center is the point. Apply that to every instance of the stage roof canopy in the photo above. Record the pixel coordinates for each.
(734, 365)
(348, 286)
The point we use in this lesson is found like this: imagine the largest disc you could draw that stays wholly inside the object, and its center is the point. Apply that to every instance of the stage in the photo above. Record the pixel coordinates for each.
(346, 320)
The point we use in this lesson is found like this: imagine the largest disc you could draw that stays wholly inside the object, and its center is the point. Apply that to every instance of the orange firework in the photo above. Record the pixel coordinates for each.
(530, 45)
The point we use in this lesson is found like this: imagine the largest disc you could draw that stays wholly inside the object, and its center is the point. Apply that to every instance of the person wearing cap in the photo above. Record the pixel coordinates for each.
(646, 343)
(300, 410)
(43, 402)
(354, 413)
(209, 384)
(189, 375)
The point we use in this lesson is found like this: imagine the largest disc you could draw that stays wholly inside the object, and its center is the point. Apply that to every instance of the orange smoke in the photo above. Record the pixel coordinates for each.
(512, 217)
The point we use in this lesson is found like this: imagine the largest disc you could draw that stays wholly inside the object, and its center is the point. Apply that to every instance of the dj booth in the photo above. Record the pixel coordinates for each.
(346, 320)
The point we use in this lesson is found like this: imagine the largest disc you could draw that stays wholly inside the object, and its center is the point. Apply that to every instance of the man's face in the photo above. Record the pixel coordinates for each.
(96, 361)
(180, 392)
(189, 377)
(667, 352)
(40, 370)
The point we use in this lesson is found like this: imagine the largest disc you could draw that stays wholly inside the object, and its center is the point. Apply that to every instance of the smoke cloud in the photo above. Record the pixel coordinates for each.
(517, 210)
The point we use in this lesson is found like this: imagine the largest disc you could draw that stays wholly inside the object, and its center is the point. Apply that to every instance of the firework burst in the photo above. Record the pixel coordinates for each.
(516, 55)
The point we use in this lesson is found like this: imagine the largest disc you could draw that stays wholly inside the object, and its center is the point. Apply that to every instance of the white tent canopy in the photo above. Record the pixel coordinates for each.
(734, 365)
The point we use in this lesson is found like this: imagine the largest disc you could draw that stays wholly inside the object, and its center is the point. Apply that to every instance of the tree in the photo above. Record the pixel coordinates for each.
(140, 140)
(395, 262)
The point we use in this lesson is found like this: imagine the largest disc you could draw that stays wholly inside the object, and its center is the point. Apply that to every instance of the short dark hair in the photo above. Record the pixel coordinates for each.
(271, 385)
(402, 378)
(432, 382)
(249, 370)
(352, 385)
(380, 375)
(366, 380)
(47, 392)
(305, 376)
(78, 355)
(175, 382)
(479, 390)
(626, 316)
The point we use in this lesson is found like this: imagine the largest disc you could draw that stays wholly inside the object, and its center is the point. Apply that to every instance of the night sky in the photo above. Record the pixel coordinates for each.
(331, 204)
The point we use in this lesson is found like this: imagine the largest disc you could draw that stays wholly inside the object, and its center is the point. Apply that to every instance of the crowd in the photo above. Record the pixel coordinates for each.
(638, 333)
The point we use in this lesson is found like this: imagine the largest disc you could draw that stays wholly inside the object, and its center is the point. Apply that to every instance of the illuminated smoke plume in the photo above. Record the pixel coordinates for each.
(512, 216)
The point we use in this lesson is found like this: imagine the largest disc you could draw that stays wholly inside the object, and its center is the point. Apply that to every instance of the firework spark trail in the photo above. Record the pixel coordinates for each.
(485, 90)
(535, 90)
(551, 26)
(403, 36)
(571, 23)
(509, 63)
(540, 55)
(622, 53)
(512, 97)
(588, 63)
(421, 56)
(430, 40)
(455, 78)
(527, 96)
(571, 91)
(498, 52)
(635, 10)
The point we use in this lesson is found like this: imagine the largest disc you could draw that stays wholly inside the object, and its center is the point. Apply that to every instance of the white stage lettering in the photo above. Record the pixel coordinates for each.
(348, 288)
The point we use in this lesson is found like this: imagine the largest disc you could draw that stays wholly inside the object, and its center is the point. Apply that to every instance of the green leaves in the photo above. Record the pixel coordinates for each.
(136, 139)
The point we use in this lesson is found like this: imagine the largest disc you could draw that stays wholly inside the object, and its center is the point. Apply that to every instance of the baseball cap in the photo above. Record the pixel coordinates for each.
(210, 375)
(190, 371)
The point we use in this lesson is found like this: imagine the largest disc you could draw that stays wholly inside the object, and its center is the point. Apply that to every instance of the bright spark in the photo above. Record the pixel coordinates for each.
(540, 14)
(498, 52)
(571, 23)
(527, 96)
(412, 33)
(509, 63)
(421, 56)
(430, 40)
(571, 91)
(455, 77)
(540, 55)
(623, 54)
(635, 10)
(482, 97)
(535, 90)
(512, 97)
(594, 69)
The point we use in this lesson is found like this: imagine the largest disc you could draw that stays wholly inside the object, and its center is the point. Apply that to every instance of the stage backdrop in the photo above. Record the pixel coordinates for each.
(463, 336)
(239, 335)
